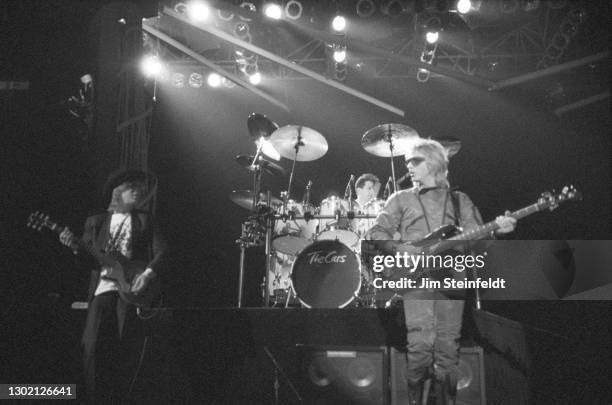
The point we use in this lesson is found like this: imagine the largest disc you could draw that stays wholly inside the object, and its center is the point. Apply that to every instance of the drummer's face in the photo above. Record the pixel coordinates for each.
(367, 192)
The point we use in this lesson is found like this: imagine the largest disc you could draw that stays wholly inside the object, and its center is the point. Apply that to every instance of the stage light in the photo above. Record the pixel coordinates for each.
(227, 82)
(273, 10)
(178, 80)
(432, 36)
(255, 78)
(151, 66)
(196, 80)
(464, 6)
(214, 80)
(340, 55)
(198, 11)
(293, 9)
(241, 29)
(339, 23)
(392, 8)
(365, 8)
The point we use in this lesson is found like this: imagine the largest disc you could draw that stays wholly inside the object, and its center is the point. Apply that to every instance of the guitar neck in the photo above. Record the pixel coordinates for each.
(79, 241)
(483, 230)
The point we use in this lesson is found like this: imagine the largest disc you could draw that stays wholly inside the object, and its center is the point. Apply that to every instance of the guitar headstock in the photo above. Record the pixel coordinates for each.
(38, 220)
(551, 200)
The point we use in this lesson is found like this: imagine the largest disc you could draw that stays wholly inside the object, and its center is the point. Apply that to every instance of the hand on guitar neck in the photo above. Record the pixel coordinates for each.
(67, 238)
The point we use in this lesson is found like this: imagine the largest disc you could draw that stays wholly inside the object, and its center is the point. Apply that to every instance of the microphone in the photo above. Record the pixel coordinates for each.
(348, 191)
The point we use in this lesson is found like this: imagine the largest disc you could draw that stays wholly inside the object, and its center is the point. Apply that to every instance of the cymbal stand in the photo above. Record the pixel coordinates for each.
(391, 147)
(297, 150)
(269, 226)
(257, 176)
(250, 237)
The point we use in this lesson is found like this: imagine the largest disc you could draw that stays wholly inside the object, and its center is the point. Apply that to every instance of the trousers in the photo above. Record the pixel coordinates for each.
(433, 324)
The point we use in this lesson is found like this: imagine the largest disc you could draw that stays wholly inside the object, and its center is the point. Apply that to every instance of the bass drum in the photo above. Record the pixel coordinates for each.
(326, 274)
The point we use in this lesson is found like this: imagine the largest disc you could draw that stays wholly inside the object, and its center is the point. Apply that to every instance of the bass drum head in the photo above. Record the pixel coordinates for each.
(326, 274)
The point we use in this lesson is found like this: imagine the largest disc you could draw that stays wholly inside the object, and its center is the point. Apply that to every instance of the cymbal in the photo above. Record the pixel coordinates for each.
(244, 198)
(267, 166)
(259, 125)
(450, 143)
(376, 140)
(313, 145)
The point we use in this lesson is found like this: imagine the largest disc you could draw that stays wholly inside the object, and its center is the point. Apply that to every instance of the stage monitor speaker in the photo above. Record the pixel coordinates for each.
(335, 375)
(470, 387)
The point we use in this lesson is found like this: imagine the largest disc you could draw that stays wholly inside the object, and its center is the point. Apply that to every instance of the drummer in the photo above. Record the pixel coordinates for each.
(367, 187)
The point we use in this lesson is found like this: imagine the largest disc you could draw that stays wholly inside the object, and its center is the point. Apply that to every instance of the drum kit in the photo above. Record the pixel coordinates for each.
(312, 252)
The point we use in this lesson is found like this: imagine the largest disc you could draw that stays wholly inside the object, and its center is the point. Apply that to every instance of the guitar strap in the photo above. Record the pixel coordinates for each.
(456, 208)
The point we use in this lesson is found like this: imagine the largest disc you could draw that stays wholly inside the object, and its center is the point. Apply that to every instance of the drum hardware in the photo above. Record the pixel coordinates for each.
(244, 199)
(389, 140)
(249, 163)
(260, 129)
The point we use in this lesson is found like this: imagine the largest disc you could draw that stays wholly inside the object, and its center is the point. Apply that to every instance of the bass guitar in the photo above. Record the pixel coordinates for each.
(122, 270)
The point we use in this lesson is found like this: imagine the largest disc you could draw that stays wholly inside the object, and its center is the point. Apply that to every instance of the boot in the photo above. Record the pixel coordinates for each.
(414, 393)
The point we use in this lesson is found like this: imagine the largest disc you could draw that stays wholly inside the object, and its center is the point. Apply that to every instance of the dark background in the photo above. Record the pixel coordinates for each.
(513, 148)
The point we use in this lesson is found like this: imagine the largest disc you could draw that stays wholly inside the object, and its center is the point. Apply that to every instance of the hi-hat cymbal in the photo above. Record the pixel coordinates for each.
(244, 198)
(259, 125)
(312, 145)
(267, 166)
(377, 140)
(450, 143)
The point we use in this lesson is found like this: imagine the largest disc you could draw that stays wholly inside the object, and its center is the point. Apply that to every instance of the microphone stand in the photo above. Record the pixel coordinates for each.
(277, 369)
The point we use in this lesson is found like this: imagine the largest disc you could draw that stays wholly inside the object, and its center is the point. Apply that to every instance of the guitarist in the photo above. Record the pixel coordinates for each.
(113, 336)
(433, 321)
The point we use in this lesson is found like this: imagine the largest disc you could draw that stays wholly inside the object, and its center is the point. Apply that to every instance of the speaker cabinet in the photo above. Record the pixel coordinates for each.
(344, 375)
(470, 387)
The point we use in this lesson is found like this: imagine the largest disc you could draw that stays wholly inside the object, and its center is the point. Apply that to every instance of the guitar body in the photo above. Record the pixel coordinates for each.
(124, 271)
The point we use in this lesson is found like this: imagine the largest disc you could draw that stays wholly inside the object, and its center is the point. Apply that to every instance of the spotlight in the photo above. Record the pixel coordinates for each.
(273, 10)
(150, 66)
(198, 11)
(241, 29)
(196, 80)
(227, 82)
(432, 36)
(464, 6)
(255, 78)
(340, 55)
(178, 80)
(293, 9)
(422, 75)
(365, 8)
(214, 80)
(225, 15)
(339, 23)
(250, 7)
(392, 8)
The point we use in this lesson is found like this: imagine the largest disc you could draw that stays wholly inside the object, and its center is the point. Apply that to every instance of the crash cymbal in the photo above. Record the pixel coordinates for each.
(259, 125)
(376, 140)
(267, 166)
(312, 144)
(244, 198)
(450, 143)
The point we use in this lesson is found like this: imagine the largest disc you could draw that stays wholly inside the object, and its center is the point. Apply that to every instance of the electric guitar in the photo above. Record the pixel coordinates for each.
(449, 236)
(122, 270)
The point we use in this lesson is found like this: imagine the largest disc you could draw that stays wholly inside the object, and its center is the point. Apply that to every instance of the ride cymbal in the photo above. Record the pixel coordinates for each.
(300, 143)
(377, 141)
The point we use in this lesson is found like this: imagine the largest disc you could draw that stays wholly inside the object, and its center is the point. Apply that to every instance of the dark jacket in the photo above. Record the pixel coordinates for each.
(147, 243)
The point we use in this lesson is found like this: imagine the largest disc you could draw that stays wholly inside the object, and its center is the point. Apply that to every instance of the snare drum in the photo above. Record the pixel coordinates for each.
(332, 229)
(294, 235)
(326, 274)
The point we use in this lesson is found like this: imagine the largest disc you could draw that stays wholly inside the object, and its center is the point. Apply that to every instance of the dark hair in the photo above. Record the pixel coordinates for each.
(360, 183)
